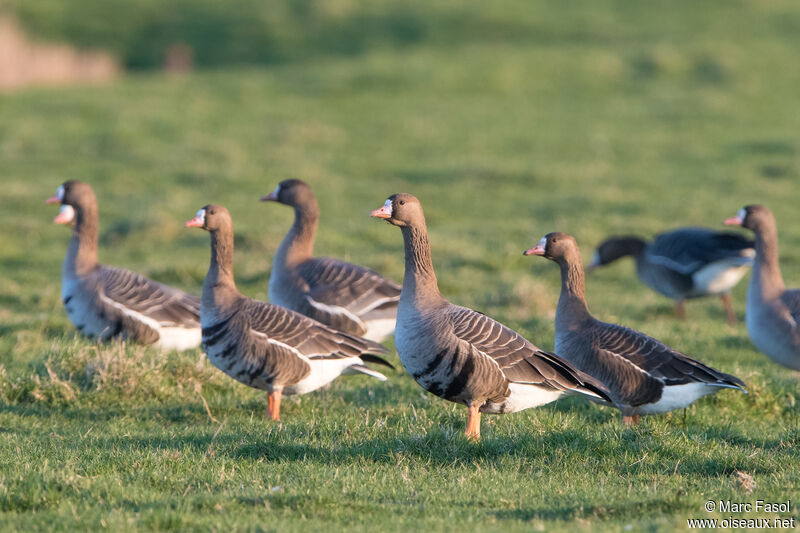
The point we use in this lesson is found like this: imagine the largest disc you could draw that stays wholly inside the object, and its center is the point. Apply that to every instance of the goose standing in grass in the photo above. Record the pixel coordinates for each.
(773, 312)
(104, 302)
(464, 356)
(644, 375)
(266, 346)
(684, 263)
(347, 297)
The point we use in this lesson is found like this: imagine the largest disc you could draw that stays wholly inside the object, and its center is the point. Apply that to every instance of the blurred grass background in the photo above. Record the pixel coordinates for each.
(508, 120)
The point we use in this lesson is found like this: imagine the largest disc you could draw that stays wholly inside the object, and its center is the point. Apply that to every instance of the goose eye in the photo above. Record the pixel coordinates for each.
(402, 202)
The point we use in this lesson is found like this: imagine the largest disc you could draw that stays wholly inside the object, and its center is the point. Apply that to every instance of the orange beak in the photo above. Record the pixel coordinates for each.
(196, 222)
(536, 250)
(384, 212)
(53, 200)
(733, 221)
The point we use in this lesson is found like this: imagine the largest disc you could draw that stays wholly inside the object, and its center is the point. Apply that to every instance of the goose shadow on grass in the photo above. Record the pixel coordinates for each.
(443, 445)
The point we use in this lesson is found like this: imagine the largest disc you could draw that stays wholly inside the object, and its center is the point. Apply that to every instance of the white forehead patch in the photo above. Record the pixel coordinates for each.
(388, 205)
(60, 193)
(201, 215)
(66, 213)
(543, 242)
(742, 214)
(277, 190)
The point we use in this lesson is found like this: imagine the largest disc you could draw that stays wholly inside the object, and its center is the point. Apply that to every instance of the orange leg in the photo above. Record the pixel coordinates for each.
(474, 422)
(630, 420)
(680, 309)
(728, 305)
(274, 407)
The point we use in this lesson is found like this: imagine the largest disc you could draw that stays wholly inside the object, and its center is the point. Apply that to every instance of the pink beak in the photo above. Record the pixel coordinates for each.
(53, 200)
(733, 221)
(384, 212)
(271, 197)
(536, 250)
(196, 222)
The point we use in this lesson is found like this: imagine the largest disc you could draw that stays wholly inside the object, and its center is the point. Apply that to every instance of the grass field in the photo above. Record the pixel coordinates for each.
(607, 117)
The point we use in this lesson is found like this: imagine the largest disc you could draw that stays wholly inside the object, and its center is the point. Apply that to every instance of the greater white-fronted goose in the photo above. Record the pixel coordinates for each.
(347, 297)
(464, 356)
(104, 302)
(266, 346)
(773, 312)
(684, 263)
(644, 375)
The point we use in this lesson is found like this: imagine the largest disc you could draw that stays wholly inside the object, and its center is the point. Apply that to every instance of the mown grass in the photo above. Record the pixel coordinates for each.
(610, 118)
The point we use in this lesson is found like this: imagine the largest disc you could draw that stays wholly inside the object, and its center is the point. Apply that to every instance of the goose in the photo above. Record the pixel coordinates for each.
(348, 297)
(773, 312)
(266, 346)
(684, 263)
(462, 355)
(104, 302)
(644, 375)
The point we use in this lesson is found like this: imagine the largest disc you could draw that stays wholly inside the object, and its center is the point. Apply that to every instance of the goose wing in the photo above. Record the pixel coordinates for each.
(357, 290)
(309, 338)
(519, 360)
(123, 291)
(632, 351)
(791, 299)
(687, 250)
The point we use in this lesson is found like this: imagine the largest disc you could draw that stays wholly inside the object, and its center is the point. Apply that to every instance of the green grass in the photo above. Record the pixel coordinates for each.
(606, 117)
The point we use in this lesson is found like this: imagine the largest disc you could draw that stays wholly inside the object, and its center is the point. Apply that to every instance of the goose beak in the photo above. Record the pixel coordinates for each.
(196, 222)
(536, 250)
(53, 200)
(271, 197)
(733, 221)
(384, 212)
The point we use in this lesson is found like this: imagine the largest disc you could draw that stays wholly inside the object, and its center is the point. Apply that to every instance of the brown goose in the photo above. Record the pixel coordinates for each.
(347, 297)
(644, 375)
(464, 356)
(773, 312)
(684, 263)
(266, 346)
(105, 302)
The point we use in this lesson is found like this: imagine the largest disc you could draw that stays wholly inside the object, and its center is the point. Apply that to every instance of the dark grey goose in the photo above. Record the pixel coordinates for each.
(684, 263)
(104, 302)
(464, 356)
(644, 375)
(345, 296)
(267, 346)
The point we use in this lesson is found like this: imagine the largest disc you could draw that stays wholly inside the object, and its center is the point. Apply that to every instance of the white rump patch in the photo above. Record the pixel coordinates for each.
(720, 276)
(524, 396)
(677, 396)
(379, 329)
(174, 338)
(323, 371)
